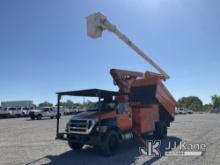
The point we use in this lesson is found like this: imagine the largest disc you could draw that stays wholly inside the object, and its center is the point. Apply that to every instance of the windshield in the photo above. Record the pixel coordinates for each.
(12, 109)
(104, 106)
(45, 108)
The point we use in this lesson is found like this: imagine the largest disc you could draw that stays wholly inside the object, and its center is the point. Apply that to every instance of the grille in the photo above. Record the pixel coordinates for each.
(81, 126)
(31, 113)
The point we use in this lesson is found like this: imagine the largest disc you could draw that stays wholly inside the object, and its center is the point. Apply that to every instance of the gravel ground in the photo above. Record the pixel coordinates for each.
(23, 141)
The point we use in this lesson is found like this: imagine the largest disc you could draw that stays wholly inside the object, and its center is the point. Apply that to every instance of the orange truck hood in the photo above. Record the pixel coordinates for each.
(94, 115)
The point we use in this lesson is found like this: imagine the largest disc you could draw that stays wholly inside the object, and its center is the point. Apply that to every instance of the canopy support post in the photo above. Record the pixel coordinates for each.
(58, 116)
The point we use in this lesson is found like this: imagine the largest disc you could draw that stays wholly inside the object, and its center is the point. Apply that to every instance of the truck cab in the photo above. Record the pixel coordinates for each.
(10, 112)
(24, 111)
(111, 113)
(43, 112)
(108, 119)
(6, 112)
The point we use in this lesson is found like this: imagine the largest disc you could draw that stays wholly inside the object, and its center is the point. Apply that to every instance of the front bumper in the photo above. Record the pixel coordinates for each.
(2, 114)
(84, 139)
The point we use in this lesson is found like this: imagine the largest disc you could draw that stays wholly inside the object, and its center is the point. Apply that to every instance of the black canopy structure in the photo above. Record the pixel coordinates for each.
(87, 93)
(91, 93)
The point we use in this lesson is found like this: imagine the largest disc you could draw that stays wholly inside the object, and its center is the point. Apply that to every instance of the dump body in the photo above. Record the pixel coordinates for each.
(144, 118)
(152, 91)
(145, 89)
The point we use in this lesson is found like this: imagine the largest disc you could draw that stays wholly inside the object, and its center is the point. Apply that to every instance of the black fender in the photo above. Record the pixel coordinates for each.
(111, 123)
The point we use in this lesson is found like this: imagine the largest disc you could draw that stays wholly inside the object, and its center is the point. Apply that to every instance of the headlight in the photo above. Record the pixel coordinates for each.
(90, 123)
(101, 129)
(67, 127)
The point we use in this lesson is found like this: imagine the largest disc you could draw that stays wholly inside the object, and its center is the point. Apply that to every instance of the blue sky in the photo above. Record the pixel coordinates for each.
(44, 47)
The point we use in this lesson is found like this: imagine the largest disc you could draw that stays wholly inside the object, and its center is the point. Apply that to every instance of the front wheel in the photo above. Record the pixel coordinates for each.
(39, 117)
(75, 146)
(32, 117)
(58, 115)
(110, 143)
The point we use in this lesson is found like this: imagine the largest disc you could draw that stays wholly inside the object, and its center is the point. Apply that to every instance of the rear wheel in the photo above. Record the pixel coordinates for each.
(23, 114)
(75, 146)
(58, 115)
(110, 143)
(39, 117)
(51, 117)
(160, 130)
(32, 117)
(17, 115)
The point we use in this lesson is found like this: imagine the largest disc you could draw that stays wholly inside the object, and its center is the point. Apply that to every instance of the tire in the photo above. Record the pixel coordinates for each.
(75, 146)
(17, 116)
(58, 116)
(160, 130)
(39, 117)
(32, 117)
(23, 114)
(51, 117)
(110, 143)
(8, 115)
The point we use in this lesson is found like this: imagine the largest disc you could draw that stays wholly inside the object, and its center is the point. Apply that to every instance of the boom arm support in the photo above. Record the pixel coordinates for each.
(97, 23)
(124, 78)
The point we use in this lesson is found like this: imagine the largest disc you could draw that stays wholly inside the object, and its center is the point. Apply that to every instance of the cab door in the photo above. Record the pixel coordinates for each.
(124, 116)
(46, 112)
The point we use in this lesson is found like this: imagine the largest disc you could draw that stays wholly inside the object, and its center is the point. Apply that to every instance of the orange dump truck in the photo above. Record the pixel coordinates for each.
(142, 105)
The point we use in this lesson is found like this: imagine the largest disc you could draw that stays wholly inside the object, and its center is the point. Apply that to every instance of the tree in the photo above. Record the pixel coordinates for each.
(208, 107)
(45, 104)
(215, 101)
(88, 104)
(67, 104)
(191, 102)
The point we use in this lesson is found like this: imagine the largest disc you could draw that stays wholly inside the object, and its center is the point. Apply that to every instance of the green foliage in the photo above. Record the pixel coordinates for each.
(215, 101)
(192, 102)
(70, 104)
(45, 104)
(208, 107)
(67, 104)
(88, 104)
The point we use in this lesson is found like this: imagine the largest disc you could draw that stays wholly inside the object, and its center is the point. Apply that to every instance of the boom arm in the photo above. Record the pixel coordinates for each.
(97, 23)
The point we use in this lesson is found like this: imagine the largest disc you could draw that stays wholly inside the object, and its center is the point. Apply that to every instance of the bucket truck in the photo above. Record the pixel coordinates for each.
(142, 105)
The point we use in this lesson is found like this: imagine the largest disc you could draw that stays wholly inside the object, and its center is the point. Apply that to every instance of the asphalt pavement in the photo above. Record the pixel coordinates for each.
(27, 142)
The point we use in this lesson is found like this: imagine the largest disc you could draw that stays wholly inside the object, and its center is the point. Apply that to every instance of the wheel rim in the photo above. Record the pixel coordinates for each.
(113, 143)
(165, 131)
